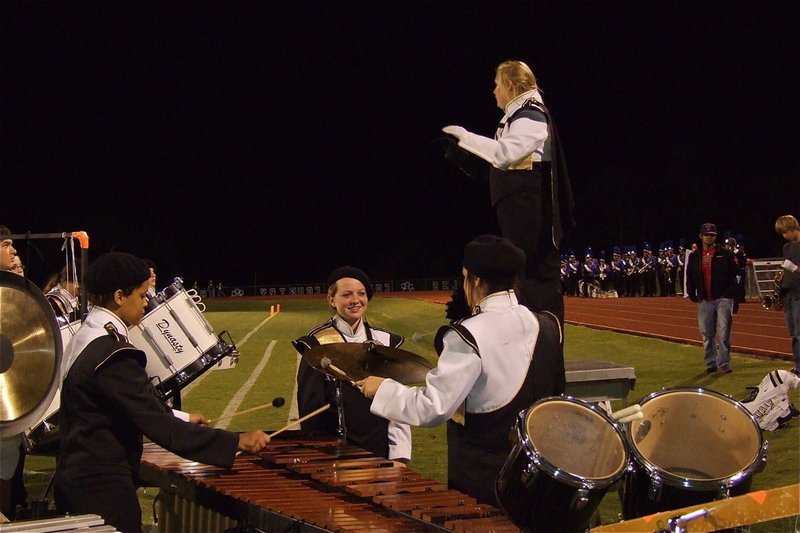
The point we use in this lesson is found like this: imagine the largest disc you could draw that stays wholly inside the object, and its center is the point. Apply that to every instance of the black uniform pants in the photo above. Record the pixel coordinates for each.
(521, 221)
(112, 496)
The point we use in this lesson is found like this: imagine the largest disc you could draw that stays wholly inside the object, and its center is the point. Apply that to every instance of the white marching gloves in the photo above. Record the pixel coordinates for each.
(788, 265)
(456, 131)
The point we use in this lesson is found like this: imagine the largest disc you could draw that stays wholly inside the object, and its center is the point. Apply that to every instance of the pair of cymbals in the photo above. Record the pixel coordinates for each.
(359, 360)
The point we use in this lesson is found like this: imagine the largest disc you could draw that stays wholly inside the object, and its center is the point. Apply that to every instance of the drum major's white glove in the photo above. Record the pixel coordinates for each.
(456, 131)
(788, 265)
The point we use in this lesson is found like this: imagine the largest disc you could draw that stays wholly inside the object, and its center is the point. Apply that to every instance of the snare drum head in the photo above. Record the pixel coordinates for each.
(695, 434)
(576, 438)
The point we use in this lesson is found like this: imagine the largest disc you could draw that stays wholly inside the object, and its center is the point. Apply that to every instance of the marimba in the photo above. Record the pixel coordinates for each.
(309, 483)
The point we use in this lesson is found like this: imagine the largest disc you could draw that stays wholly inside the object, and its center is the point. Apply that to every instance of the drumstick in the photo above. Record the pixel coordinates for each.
(628, 411)
(300, 420)
(326, 364)
(277, 402)
(630, 418)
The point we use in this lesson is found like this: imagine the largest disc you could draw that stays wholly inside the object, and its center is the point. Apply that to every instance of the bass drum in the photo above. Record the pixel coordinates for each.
(568, 453)
(44, 437)
(692, 446)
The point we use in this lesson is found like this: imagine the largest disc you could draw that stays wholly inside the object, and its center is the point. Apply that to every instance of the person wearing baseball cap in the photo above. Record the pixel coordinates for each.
(491, 366)
(349, 293)
(108, 403)
(711, 282)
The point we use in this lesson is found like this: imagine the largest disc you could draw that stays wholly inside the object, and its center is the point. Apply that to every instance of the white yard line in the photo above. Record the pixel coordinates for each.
(238, 398)
(186, 390)
(294, 411)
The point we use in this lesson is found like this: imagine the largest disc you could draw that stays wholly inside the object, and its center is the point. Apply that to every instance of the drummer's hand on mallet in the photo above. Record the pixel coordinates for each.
(197, 418)
(369, 385)
(253, 441)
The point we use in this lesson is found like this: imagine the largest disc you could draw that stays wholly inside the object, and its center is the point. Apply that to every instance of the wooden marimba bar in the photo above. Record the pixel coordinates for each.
(309, 484)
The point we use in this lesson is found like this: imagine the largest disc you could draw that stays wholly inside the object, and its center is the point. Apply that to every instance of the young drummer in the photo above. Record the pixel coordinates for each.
(108, 404)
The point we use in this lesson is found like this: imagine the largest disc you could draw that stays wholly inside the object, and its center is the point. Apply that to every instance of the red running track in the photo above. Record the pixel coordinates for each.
(755, 330)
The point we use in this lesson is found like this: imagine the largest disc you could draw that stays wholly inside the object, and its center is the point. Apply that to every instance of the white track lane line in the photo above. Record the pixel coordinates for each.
(186, 390)
(238, 398)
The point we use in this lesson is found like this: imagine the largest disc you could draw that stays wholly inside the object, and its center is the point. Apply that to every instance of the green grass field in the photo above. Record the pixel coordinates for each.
(658, 364)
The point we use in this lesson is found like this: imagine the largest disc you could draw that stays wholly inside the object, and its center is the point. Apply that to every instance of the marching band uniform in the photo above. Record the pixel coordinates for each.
(314, 389)
(589, 273)
(530, 192)
(681, 270)
(604, 270)
(632, 273)
(493, 365)
(671, 265)
(574, 275)
(107, 403)
(564, 276)
(649, 265)
(617, 271)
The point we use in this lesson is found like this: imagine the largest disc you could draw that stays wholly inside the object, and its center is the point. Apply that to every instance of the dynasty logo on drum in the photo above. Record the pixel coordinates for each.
(163, 327)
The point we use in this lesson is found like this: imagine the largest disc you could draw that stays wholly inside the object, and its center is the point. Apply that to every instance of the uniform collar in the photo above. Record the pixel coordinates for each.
(341, 325)
(497, 301)
(100, 316)
(517, 102)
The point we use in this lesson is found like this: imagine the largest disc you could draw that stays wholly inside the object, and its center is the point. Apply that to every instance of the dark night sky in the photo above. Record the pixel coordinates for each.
(281, 139)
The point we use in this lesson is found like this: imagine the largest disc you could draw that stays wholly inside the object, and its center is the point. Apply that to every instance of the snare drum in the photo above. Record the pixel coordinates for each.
(179, 342)
(568, 453)
(43, 437)
(692, 446)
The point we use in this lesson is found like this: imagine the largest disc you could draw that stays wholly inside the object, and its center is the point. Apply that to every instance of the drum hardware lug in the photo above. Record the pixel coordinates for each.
(654, 491)
(529, 475)
(580, 500)
(724, 493)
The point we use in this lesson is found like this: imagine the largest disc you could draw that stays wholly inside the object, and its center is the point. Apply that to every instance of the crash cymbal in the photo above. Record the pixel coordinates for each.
(30, 354)
(359, 360)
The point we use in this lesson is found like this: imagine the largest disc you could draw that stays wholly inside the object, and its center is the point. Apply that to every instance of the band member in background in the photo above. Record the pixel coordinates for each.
(617, 271)
(491, 366)
(108, 404)
(633, 264)
(669, 270)
(589, 273)
(62, 292)
(788, 227)
(711, 281)
(349, 293)
(681, 272)
(17, 267)
(604, 270)
(528, 182)
(740, 259)
(648, 271)
(574, 274)
(12, 489)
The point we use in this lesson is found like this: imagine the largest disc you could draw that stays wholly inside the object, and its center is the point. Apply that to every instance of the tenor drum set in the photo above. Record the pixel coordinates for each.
(691, 446)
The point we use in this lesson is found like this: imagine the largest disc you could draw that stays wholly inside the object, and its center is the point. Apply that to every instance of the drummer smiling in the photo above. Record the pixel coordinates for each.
(491, 366)
(349, 292)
